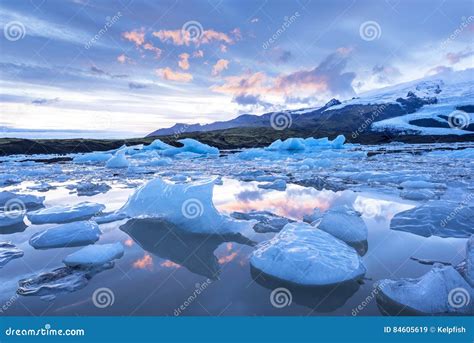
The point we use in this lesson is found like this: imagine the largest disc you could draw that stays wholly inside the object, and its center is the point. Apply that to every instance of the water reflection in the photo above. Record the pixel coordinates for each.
(167, 241)
(8, 230)
(322, 299)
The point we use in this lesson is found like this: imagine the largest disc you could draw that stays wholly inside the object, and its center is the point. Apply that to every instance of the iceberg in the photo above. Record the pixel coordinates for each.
(442, 291)
(64, 214)
(94, 255)
(157, 145)
(188, 206)
(8, 252)
(343, 223)
(191, 146)
(119, 160)
(266, 221)
(303, 255)
(92, 158)
(290, 144)
(436, 218)
(66, 235)
(10, 199)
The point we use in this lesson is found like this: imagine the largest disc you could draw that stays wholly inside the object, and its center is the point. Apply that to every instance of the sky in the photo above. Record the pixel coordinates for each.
(124, 68)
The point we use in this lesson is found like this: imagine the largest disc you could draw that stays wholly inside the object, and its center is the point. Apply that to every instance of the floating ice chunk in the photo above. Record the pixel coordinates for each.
(94, 255)
(437, 218)
(8, 199)
(8, 252)
(11, 218)
(158, 162)
(338, 142)
(8, 179)
(90, 188)
(441, 291)
(313, 163)
(109, 218)
(344, 223)
(312, 142)
(279, 185)
(64, 214)
(157, 145)
(254, 153)
(188, 154)
(66, 235)
(304, 255)
(62, 280)
(267, 221)
(193, 146)
(92, 157)
(188, 206)
(179, 178)
(422, 184)
(310, 218)
(292, 144)
(417, 194)
(119, 160)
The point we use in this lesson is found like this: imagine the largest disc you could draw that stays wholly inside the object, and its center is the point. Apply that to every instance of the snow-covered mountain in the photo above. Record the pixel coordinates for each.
(442, 104)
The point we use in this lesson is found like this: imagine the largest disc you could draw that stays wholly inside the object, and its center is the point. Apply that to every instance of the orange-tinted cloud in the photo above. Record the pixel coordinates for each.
(150, 47)
(221, 65)
(247, 83)
(145, 262)
(170, 75)
(170, 264)
(135, 36)
(228, 258)
(128, 242)
(184, 61)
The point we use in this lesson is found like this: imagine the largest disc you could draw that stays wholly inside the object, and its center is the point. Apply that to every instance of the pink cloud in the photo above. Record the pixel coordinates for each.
(170, 75)
(223, 48)
(184, 61)
(150, 47)
(123, 59)
(198, 54)
(220, 66)
(179, 37)
(455, 57)
(144, 263)
(135, 36)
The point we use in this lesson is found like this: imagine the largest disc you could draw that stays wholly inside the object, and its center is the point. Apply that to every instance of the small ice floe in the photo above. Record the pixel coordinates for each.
(41, 187)
(437, 218)
(303, 255)
(26, 201)
(11, 218)
(90, 188)
(49, 285)
(67, 235)
(344, 223)
(417, 194)
(92, 158)
(267, 221)
(279, 185)
(8, 252)
(441, 291)
(422, 184)
(118, 160)
(187, 205)
(94, 255)
(191, 146)
(158, 162)
(64, 214)
(8, 179)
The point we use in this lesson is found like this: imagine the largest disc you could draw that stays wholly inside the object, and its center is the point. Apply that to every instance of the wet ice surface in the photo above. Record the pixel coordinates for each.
(162, 266)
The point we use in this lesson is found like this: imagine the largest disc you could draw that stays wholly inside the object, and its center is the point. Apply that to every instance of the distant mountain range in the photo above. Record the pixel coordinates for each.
(437, 105)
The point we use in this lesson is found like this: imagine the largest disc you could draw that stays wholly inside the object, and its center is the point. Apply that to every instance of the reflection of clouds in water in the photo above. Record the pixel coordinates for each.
(144, 263)
(295, 202)
(128, 242)
(170, 264)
